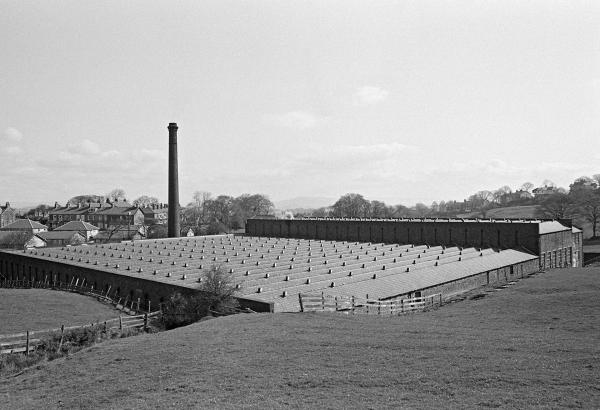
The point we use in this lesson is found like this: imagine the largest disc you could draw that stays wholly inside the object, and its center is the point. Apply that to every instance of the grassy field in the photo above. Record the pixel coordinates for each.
(527, 211)
(38, 309)
(534, 344)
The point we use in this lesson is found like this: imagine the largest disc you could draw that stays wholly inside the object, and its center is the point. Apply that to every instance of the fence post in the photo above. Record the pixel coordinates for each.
(62, 333)
(299, 299)
(120, 323)
(379, 307)
(367, 303)
(148, 305)
(145, 322)
(353, 305)
(336, 304)
(138, 304)
(322, 300)
(27, 345)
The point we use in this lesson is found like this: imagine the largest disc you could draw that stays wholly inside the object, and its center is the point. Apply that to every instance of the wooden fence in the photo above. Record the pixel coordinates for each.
(28, 341)
(352, 304)
(127, 305)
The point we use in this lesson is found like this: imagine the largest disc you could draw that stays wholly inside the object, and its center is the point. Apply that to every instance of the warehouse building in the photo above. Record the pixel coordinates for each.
(270, 271)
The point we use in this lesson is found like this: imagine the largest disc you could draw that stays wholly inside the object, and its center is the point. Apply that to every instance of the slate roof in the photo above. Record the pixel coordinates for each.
(551, 227)
(23, 224)
(77, 226)
(429, 276)
(266, 267)
(58, 235)
(117, 211)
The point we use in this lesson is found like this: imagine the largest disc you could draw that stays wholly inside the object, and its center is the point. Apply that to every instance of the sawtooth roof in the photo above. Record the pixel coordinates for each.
(275, 270)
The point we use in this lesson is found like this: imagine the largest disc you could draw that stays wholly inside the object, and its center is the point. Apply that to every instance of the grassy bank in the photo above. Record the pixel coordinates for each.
(531, 345)
(37, 309)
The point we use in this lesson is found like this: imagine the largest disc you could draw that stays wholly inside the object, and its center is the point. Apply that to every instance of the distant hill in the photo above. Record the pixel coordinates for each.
(304, 202)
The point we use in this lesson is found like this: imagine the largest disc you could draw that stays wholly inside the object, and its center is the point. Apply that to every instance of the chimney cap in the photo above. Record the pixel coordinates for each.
(172, 125)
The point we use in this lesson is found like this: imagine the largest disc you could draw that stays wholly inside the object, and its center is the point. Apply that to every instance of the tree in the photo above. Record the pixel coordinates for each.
(85, 199)
(117, 194)
(557, 205)
(249, 206)
(481, 199)
(527, 187)
(219, 212)
(583, 183)
(401, 211)
(351, 206)
(215, 295)
(587, 204)
(421, 210)
(548, 183)
(378, 209)
(16, 239)
(144, 201)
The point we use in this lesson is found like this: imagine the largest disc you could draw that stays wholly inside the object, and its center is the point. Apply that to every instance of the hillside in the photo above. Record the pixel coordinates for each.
(39, 309)
(526, 211)
(533, 344)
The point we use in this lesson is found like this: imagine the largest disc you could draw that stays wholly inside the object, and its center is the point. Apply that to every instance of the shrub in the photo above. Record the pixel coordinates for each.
(215, 295)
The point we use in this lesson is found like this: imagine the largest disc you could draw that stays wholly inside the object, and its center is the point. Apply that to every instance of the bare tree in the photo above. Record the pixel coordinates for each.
(116, 194)
(527, 187)
(144, 201)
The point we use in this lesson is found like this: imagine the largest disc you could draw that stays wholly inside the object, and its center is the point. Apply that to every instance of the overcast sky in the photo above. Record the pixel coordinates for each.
(408, 101)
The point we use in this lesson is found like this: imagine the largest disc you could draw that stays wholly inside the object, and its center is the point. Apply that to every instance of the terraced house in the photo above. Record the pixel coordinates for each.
(104, 215)
(7, 215)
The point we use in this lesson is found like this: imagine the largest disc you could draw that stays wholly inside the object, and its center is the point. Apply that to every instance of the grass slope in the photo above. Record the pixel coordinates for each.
(39, 309)
(531, 345)
(528, 211)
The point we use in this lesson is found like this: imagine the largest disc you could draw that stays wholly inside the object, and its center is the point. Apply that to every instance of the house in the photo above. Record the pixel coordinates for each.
(89, 212)
(25, 225)
(125, 233)
(61, 238)
(544, 191)
(87, 230)
(7, 215)
(116, 217)
(20, 240)
(155, 214)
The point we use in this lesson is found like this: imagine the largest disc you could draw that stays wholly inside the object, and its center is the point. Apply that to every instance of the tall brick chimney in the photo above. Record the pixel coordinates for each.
(174, 230)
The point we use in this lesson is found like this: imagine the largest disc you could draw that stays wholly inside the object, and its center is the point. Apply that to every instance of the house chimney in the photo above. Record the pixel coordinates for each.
(173, 231)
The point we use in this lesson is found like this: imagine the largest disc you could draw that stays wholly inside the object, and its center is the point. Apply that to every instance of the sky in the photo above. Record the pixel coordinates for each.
(400, 101)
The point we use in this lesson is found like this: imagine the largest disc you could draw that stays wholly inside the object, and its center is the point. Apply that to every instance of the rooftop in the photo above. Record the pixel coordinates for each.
(23, 224)
(277, 269)
(77, 226)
